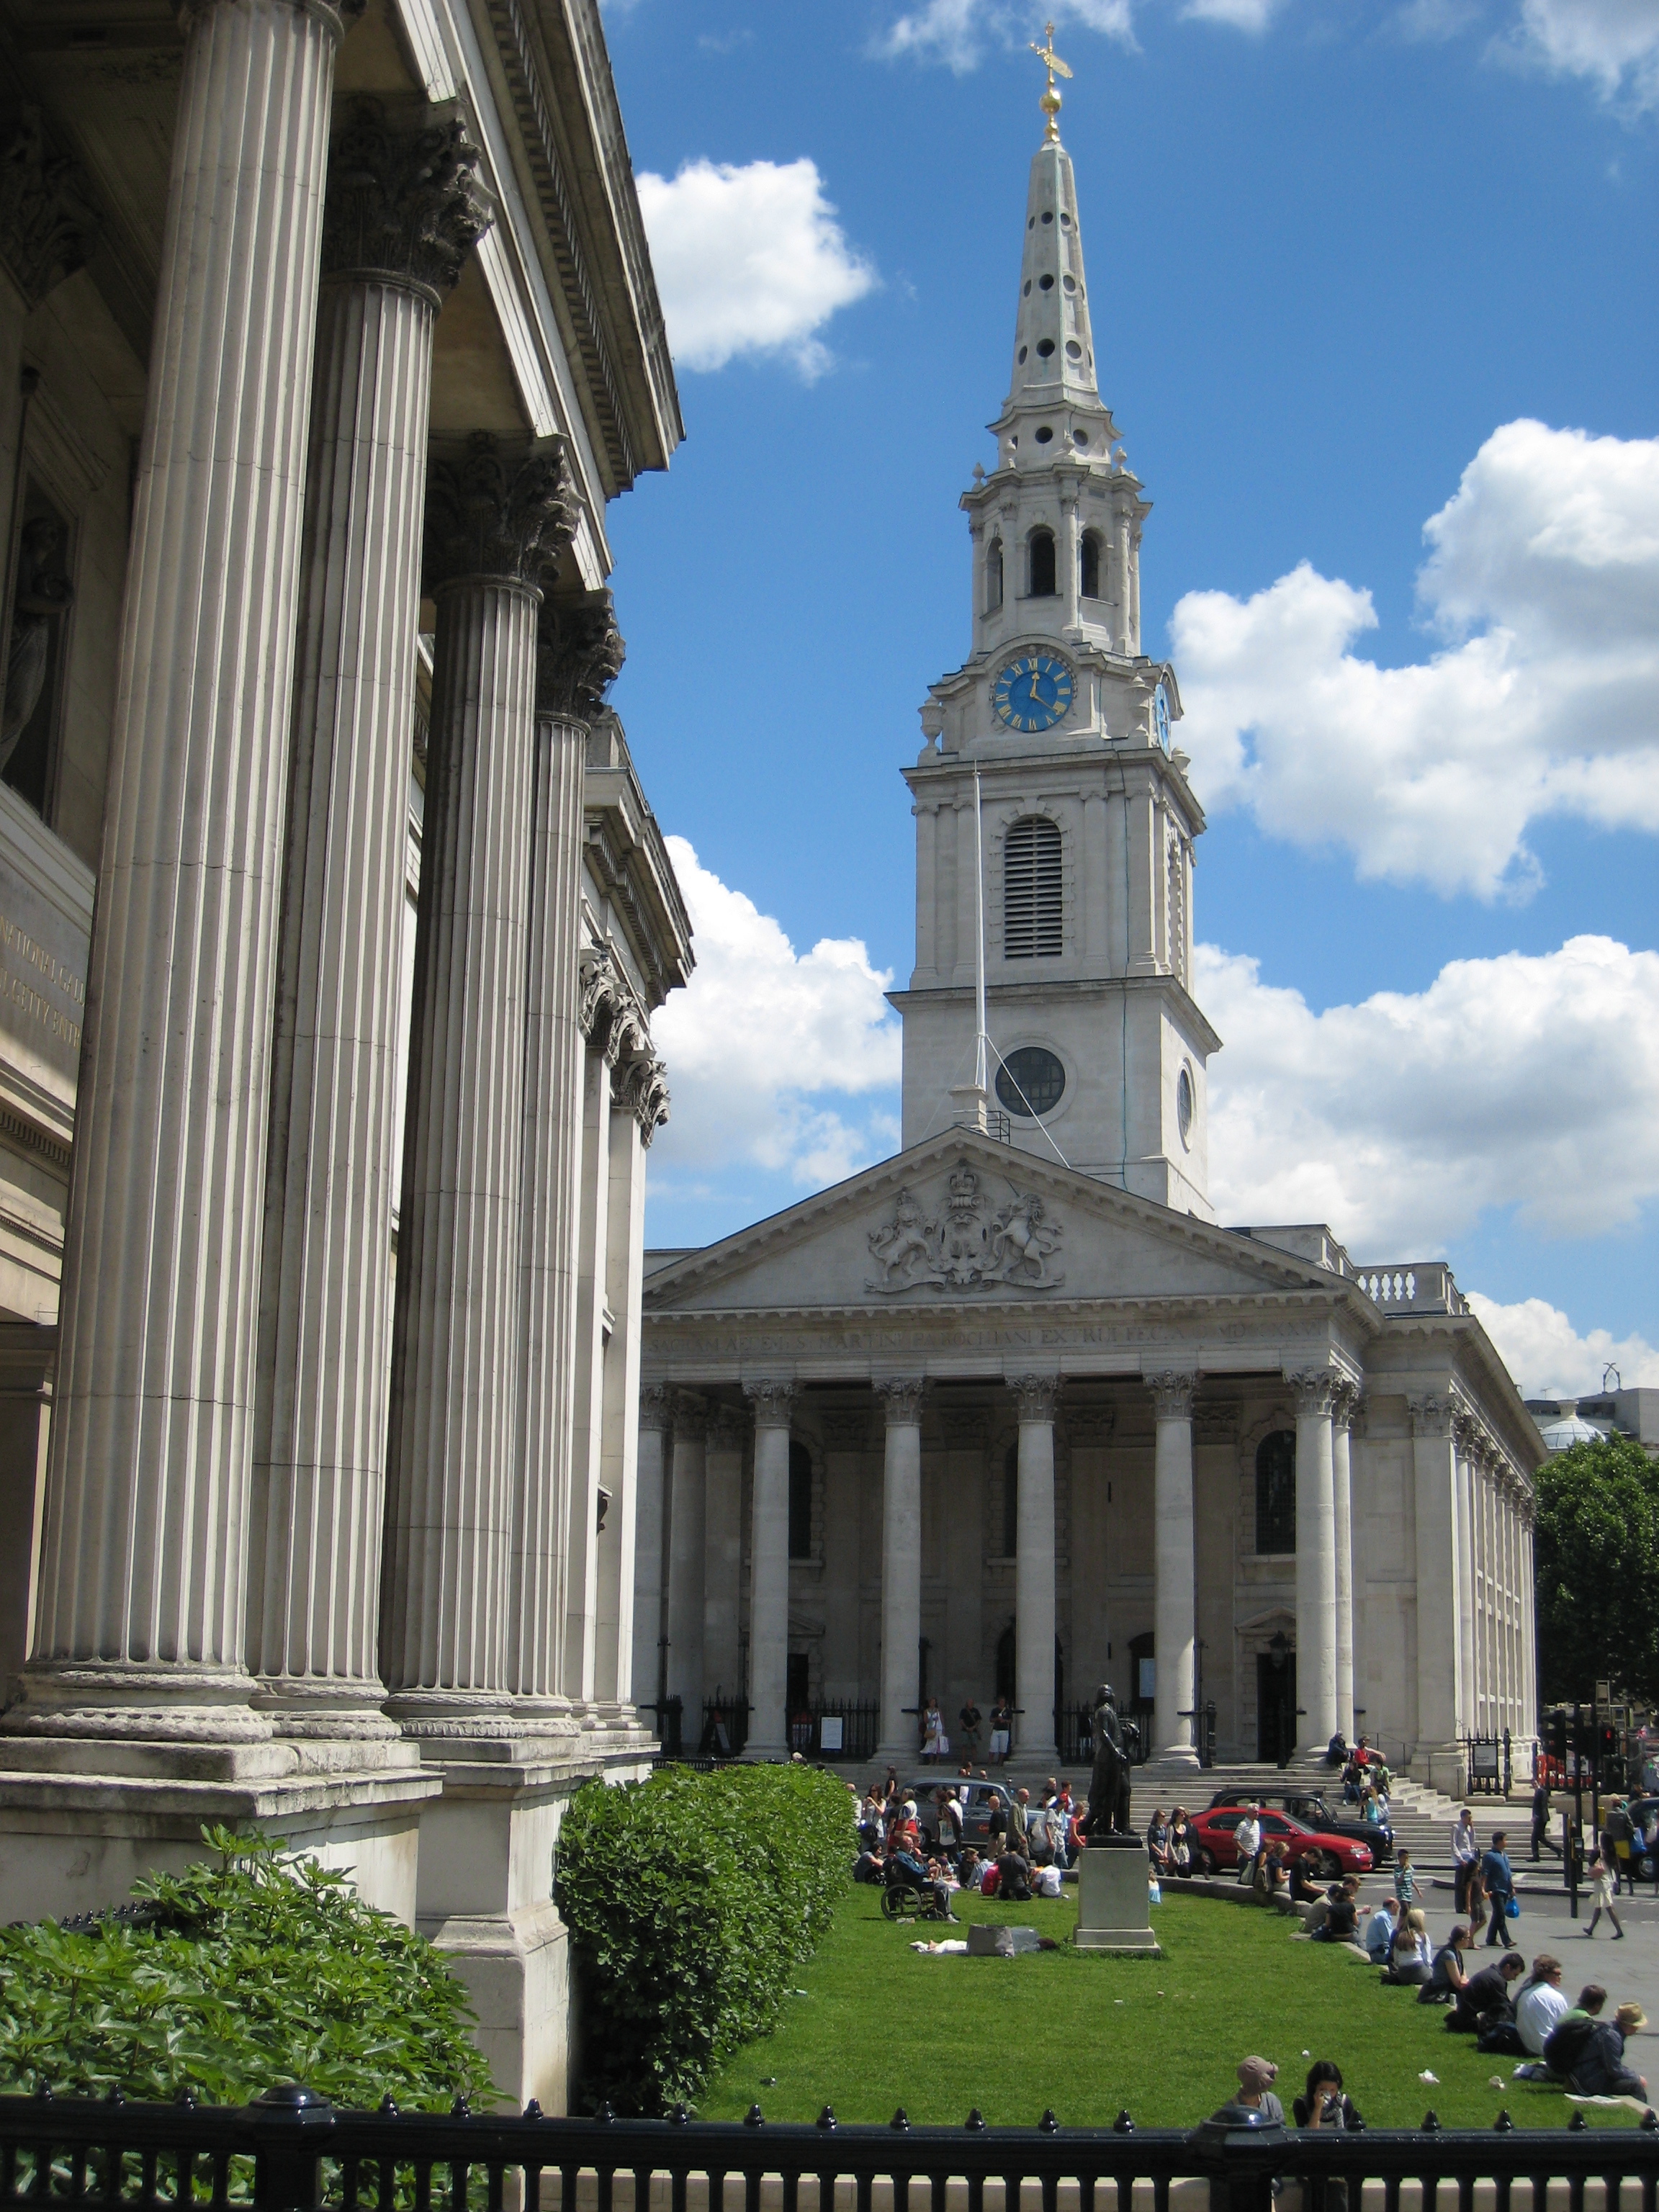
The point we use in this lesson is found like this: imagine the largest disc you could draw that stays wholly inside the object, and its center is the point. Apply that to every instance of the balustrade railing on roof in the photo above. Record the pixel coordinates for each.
(1424, 1286)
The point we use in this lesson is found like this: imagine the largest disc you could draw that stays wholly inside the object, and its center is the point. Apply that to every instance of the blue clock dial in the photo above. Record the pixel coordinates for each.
(1034, 692)
(1161, 717)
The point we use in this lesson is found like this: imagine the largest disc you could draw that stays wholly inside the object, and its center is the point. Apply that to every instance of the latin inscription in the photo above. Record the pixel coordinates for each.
(25, 966)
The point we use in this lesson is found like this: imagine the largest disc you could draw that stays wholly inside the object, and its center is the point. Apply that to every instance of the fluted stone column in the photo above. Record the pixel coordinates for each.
(141, 1619)
(613, 1661)
(1315, 1561)
(686, 1524)
(1465, 1581)
(1035, 1396)
(493, 517)
(650, 1560)
(900, 1400)
(1174, 1600)
(1438, 1758)
(768, 1555)
(722, 1554)
(578, 652)
(403, 210)
(1345, 1413)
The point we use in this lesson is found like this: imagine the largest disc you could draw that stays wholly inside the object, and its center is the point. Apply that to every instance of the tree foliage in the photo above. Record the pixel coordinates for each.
(690, 1900)
(1597, 1560)
(257, 1969)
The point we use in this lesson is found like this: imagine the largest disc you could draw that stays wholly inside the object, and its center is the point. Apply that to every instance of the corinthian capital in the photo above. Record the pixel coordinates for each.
(501, 508)
(774, 1400)
(404, 198)
(1432, 1415)
(578, 655)
(643, 1091)
(900, 1399)
(1035, 1396)
(1313, 1390)
(1172, 1395)
(656, 1405)
(48, 224)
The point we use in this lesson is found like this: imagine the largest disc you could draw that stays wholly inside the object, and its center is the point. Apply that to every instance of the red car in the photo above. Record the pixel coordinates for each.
(1217, 1847)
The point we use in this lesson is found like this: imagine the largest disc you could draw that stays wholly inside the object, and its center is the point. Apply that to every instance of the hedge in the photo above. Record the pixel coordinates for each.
(691, 1899)
(257, 1968)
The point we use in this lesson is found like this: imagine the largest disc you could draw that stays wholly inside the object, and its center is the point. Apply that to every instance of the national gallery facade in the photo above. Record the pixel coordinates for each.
(1011, 1412)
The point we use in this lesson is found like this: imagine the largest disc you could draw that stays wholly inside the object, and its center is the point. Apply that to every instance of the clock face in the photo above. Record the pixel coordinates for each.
(1034, 692)
(1161, 717)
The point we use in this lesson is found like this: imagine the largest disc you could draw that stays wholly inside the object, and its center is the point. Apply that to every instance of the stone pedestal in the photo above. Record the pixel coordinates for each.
(1112, 1911)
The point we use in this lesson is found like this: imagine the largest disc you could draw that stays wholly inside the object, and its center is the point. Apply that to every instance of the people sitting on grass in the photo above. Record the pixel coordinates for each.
(1541, 2004)
(1604, 1887)
(1323, 2103)
(1411, 1957)
(1487, 1996)
(970, 1867)
(1381, 1930)
(1256, 2077)
(1341, 1921)
(1449, 1977)
(1271, 1870)
(1588, 2052)
(870, 1864)
(1306, 1888)
(1013, 1874)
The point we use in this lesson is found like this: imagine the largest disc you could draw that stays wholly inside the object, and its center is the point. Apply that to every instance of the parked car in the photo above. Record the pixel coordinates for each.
(1642, 1810)
(1315, 1812)
(976, 1814)
(1217, 1845)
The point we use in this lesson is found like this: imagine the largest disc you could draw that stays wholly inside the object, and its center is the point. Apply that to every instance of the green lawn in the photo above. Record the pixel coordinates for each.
(877, 2024)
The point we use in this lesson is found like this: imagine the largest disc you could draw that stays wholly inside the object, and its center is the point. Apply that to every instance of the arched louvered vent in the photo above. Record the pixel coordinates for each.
(1030, 890)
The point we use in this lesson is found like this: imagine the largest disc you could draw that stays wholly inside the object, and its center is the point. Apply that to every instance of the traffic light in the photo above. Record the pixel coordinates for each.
(1555, 1736)
(1607, 1744)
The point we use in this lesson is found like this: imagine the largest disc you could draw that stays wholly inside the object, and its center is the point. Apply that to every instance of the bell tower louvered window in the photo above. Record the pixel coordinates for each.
(1030, 890)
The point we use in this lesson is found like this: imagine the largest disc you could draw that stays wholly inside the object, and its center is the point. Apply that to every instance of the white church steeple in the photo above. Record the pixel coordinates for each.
(1058, 727)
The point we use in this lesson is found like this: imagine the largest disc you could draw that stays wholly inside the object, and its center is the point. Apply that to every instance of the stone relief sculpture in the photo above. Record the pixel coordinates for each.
(967, 1247)
(44, 593)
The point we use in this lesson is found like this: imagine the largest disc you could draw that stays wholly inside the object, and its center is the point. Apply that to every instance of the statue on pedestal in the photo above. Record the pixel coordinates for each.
(1108, 1818)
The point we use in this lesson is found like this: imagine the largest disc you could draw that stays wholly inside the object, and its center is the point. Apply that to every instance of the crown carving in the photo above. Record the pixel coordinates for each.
(578, 655)
(503, 509)
(403, 202)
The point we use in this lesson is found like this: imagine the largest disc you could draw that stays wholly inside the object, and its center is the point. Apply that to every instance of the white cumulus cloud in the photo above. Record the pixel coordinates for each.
(749, 260)
(1543, 581)
(773, 1055)
(1549, 1358)
(957, 32)
(1527, 1080)
(1613, 43)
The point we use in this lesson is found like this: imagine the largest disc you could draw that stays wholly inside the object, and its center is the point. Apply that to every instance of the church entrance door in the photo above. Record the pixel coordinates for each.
(1275, 1706)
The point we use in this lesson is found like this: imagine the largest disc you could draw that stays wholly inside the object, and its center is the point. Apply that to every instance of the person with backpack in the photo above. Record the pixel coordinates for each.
(1588, 2052)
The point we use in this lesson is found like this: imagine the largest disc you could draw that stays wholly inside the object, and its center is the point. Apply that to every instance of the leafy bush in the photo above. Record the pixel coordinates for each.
(690, 1900)
(262, 1968)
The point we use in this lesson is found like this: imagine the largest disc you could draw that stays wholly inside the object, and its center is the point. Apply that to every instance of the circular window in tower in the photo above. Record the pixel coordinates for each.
(1044, 433)
(1045, 347)
(1045, 284)
(1184, 1105)
(1030, 1082)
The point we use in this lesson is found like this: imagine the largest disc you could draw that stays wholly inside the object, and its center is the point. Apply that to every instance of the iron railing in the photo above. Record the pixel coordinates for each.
(1074, 1730)
(856, 1739)
(291, 2151)
(725, 1726)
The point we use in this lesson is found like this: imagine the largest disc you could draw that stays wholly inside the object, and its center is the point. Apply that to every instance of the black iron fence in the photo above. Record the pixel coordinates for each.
(725, 1726)
(293, 2152)
(1074, 1729)
(841, 1731)
(1491, 1763)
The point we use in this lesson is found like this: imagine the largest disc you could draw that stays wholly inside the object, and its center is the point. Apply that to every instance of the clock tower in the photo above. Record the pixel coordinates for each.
(1049, 788)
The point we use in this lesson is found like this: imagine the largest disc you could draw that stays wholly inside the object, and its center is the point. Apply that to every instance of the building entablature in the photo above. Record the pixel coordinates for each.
(628, 869)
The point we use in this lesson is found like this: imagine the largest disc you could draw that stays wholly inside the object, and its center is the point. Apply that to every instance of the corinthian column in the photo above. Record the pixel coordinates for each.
(768, 1566)
(140, 1624)
(1034, 1567)
(900, 1400)
(494, 517)
(1438, 1756)
(649, 1523)
(1465, 1581)
(404, 211)
(687, 1520)
(1346, 1413)
(1316, 1560)
(578, 653)
(1174, 1600)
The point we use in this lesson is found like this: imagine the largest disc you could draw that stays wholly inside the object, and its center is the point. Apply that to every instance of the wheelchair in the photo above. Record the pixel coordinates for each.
(904, 1897)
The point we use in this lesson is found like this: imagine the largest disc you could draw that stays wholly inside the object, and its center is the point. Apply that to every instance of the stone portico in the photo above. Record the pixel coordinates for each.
(1177, 1458)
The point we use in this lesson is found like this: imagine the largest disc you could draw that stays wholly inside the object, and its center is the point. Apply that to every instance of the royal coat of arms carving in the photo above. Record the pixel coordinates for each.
(969, 1247)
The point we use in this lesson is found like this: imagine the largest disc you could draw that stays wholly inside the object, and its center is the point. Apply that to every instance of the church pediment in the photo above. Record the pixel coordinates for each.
(961, 1219)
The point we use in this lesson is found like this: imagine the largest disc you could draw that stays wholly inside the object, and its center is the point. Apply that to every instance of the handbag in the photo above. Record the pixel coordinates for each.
(1512, 1907)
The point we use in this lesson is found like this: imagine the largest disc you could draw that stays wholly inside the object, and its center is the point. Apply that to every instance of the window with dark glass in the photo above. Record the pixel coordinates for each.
(1041, 553)
(1089, 563)
(1030, 1081)
(1275, 1492)
(1031, 890)
(800, 1500)
(1010, 1502)
(993, 576)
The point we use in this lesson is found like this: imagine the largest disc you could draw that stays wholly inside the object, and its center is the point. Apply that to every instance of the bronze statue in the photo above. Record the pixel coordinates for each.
(1107, 1815)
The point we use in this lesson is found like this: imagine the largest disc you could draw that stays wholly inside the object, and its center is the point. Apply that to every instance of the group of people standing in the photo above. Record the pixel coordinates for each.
(970, 1724)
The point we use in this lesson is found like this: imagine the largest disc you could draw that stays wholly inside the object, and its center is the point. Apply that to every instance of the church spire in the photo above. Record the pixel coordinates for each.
(1053, 345)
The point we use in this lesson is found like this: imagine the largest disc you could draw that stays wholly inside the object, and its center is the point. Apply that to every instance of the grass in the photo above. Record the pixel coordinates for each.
(876, 2025)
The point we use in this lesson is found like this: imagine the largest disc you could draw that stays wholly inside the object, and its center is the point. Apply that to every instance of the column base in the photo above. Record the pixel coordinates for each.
(1178, 1754)
(1443, 1766)
(171, 1704)
(74, 1842)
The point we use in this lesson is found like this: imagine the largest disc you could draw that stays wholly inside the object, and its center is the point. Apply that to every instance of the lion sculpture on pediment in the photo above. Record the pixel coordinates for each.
(1021, 1242)
(962, 1251)
(904, 1251)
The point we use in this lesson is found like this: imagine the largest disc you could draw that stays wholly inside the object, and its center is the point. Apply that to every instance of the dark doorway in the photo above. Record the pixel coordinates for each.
(1275, 1706)
(797, 1694)
(1005, 1663)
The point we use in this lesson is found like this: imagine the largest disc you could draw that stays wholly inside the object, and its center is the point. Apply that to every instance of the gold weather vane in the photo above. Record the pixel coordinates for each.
(1049, 102)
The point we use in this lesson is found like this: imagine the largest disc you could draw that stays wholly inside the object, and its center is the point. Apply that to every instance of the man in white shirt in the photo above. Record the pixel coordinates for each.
(1465, 1852)
(1540, 2005)
(1247, 1836)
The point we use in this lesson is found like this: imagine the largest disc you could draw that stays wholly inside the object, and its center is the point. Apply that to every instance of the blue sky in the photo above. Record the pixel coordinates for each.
(1353, 267)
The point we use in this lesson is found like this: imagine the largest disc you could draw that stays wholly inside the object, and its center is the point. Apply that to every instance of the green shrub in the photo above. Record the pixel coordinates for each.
(690, 1900)
(262, 1968)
